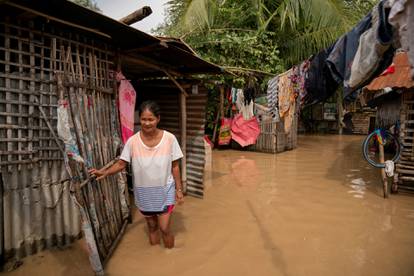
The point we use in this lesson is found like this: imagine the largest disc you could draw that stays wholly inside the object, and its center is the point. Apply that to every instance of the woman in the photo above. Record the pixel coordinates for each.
(154, 156)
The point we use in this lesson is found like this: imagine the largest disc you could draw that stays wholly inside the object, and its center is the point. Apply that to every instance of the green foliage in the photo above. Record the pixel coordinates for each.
(263, 36)
(239, 49)
(291, 29)
(90, 4)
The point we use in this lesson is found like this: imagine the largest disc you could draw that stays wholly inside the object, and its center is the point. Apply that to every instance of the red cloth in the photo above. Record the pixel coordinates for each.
(245, 132)
(389, 70)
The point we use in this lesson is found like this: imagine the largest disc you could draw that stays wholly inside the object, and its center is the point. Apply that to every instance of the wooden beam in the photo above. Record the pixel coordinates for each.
(149, 63)
(176, 83)
(136, 16)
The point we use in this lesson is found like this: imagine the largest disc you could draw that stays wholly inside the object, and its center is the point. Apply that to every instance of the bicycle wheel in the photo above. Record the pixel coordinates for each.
(389, 138)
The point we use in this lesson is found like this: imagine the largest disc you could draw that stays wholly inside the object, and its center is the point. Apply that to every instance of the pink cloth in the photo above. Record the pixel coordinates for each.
(245, 132)
(127, 97)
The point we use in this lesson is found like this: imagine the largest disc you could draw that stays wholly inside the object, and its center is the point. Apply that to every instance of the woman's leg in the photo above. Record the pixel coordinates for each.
(154, 234)
(167, 236)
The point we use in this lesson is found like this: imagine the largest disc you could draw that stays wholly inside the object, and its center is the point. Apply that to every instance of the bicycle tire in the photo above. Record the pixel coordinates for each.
(372, 162)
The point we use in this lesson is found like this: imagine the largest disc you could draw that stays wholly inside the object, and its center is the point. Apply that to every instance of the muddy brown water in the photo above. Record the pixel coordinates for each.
(316, 210)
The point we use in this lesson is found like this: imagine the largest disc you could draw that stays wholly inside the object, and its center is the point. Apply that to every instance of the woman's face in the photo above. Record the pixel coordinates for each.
(148, 121)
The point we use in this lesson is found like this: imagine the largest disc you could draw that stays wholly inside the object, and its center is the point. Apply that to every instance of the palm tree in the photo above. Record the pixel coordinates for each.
(302, 27)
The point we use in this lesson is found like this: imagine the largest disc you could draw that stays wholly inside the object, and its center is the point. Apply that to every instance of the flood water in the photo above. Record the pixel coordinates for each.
(316, 210)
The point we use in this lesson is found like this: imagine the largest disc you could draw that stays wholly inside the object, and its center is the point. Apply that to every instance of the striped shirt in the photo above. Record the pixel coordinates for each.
(154, 186)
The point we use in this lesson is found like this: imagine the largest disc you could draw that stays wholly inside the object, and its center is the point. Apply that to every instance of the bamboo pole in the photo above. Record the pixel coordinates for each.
(93, 208)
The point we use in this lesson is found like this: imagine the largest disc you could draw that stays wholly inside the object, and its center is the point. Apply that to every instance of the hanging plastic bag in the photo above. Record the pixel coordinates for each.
(225, 132)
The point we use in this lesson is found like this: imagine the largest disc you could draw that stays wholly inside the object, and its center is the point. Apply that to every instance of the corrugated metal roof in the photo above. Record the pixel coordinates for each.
(169, 53)
(401, 78)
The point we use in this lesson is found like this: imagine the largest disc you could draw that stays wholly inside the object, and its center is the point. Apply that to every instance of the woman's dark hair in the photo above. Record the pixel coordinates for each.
(151, 106)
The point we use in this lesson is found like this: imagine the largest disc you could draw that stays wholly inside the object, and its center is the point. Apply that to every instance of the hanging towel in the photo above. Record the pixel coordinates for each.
(127, 97)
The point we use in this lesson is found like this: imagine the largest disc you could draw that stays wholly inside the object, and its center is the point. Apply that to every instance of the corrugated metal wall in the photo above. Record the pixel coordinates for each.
(38, 210)
(168, 99)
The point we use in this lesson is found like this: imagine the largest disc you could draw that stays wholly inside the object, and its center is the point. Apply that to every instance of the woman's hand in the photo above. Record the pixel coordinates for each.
(99, 174)
(179, 197)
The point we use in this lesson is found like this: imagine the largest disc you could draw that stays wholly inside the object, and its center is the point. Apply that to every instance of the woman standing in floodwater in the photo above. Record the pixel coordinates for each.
(154, 156)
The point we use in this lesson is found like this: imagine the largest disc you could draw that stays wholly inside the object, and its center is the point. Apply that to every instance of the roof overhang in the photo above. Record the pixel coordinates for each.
(142, 55)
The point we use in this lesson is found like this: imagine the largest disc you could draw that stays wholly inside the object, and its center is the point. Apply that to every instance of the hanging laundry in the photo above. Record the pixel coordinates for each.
(245, 110)
(286, 93)
(233, 94)
(248, 95)
(245, 132)
(127, 97)
(319, 84)
(401, 17)
(272, 98)
(290, 117)
(341, 56)
(298, 77)
(389, 70)
(287, 97)
(373, 43)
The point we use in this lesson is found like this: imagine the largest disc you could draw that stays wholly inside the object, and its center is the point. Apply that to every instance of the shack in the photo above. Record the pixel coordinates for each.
(57, 79)
(392, 94)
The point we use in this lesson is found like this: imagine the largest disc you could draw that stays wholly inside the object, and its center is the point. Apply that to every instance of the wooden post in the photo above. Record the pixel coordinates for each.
(340, 111)
(383, 175)
(183, 127)
(221, 102)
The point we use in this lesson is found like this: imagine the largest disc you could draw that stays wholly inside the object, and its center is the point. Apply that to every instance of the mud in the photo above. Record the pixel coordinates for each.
(316, 210)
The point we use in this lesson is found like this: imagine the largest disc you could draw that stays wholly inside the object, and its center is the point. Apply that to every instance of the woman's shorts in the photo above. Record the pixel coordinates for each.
(167, 210)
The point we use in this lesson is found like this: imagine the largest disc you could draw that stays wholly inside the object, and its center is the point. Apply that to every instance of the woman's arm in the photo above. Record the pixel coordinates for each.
(115, 168)
(177, 178)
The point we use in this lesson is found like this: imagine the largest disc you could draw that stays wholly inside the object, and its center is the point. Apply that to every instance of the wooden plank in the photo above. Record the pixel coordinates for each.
(404, 166)
(405, 171)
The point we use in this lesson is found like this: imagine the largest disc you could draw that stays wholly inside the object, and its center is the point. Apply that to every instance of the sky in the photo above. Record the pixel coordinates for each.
(120, 8)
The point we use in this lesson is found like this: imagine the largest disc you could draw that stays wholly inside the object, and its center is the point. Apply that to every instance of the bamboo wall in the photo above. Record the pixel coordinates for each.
(43, 67)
